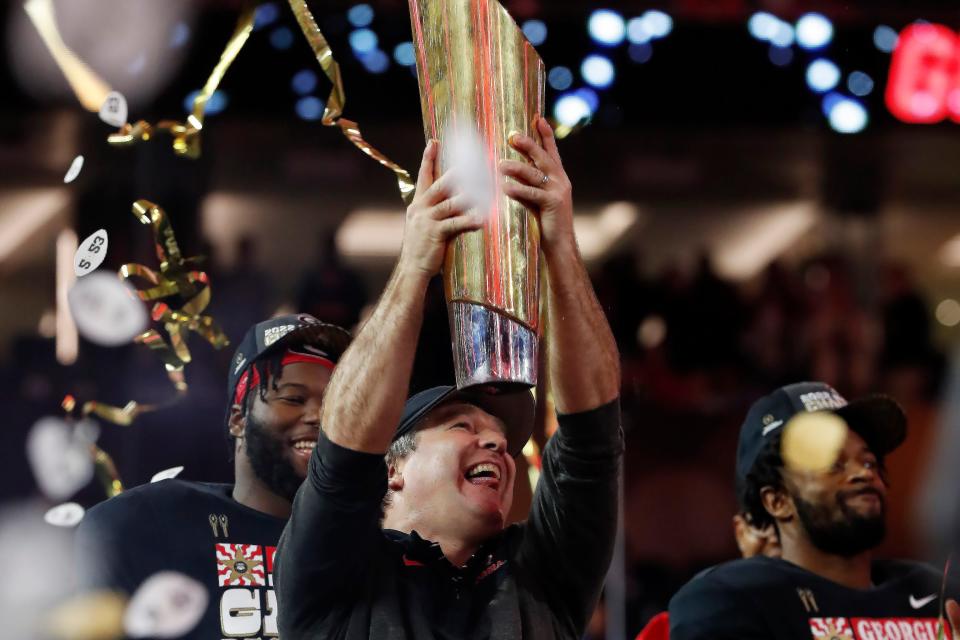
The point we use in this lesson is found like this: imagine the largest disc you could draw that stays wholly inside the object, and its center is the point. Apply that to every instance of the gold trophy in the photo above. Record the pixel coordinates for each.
(477, 70)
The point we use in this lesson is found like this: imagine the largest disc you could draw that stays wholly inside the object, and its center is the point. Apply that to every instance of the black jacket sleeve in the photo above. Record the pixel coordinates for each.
(707, 607)
(569, 537)
(332, 538)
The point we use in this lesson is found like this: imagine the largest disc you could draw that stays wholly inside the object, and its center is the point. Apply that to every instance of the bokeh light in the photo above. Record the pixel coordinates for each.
(606, 27)
(360, 15)
(265, 15)
(885, 38)
(535, 31)
(560, 78)
(598, 71)
(784, 36)
(848, 116)
(309, 108)
(814, 31)
(637, 31)
(763, 25)
(641, 52)
(860, 84)
(405, 55)
(571, 109)
(304, 82)
(822, 75)
(363, 41)
(948, 312)
(780, 56)
(657, 23)
(375, 61)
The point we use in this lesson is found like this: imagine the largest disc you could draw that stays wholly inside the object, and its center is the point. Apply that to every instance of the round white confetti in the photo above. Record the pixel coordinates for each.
(74, 170)
(90, 253)
(113, 111)
(812, 441)
(167, 605)
(68, 514)
(61, 463)
(106, 310)
(166, 474)
(465, 154)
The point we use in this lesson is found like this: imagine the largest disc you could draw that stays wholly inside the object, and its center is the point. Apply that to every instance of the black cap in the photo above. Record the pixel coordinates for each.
(514, 408)
(878, 419)
(281, 332)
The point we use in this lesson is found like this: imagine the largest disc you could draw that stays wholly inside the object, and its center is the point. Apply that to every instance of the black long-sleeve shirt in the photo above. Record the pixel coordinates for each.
(340, 575)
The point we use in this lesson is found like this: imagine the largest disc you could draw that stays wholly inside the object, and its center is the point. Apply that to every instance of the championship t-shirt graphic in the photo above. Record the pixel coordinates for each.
(248, 604)
(196, 529)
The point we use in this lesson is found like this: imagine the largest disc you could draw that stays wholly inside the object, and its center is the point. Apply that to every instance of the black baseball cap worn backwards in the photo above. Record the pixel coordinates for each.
(514, 408)
(294, 330)
(878, 419)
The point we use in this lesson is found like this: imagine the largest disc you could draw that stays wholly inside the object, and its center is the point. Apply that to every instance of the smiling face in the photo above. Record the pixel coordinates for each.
(458, 481)
(843, 509)
(280, 430)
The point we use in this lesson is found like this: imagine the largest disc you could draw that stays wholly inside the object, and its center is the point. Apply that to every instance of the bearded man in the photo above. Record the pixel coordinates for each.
(826, 583)
(225, 536)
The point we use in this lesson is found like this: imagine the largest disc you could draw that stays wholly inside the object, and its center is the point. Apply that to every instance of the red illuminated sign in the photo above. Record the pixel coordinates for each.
(924, 83)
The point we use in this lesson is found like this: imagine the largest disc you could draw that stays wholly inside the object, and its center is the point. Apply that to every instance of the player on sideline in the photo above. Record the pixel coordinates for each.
(438, 561)
(826, 584)
(224, 536)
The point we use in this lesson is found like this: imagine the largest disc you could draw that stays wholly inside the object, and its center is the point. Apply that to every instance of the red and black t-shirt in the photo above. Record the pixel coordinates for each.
(774, 599)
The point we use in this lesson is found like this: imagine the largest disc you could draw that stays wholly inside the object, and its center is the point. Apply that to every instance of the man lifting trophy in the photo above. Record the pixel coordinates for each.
(400, 529)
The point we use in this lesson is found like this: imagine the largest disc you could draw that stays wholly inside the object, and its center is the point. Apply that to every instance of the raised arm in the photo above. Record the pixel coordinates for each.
(365, 397)
(569, 535)
(584, 365)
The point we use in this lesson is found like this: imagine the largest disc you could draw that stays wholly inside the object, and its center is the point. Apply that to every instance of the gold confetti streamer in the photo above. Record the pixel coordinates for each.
(104, 468)
(176, 277)
(333, 112)
(186, 135)
(91, 90)
(106, 471)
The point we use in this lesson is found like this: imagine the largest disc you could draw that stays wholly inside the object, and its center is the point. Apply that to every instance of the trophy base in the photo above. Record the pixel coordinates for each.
(490, 348)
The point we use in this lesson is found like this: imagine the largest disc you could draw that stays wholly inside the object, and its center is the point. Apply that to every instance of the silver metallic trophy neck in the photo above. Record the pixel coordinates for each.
(491, 348)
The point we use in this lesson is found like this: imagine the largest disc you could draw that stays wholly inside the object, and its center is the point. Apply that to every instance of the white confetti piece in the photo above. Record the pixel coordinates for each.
(90, 253)
(74, 170)
(465, 154)
(61, 463)
(166, 474)
(812, 441)
(106, 310)
(113, 111)
(167, 605)
(68, 514)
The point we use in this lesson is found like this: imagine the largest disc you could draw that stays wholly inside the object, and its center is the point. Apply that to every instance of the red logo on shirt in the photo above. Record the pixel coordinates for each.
(873, 628)
(240, 564)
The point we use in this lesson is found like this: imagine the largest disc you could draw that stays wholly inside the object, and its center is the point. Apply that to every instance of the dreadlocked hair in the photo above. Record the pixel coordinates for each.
(268, 370)
(766, 472)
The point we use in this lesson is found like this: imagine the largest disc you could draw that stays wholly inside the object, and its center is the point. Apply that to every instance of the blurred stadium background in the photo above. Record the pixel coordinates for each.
(761, 199)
